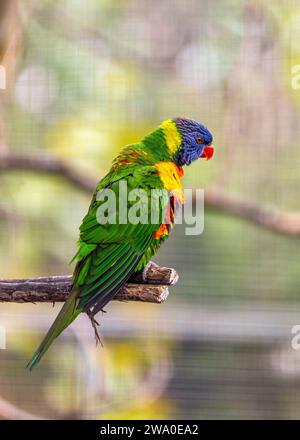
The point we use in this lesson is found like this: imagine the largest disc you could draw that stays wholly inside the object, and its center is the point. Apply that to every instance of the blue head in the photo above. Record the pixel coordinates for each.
(196, 141)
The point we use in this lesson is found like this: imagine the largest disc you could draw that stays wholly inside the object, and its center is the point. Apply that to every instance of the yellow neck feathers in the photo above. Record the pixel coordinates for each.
(172, 136)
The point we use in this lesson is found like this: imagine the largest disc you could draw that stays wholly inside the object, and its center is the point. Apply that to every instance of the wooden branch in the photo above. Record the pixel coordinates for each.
(154, 289)
(48, 165)
(282, 222)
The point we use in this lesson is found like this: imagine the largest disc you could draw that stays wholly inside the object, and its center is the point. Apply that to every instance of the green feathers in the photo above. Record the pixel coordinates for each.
(109, 252)
(67, 315)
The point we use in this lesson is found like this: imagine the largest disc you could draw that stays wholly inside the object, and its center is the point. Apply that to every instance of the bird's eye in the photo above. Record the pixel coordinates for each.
(199, 139)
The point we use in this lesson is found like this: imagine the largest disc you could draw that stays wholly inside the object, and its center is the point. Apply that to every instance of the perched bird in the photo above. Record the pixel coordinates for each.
(109, 253)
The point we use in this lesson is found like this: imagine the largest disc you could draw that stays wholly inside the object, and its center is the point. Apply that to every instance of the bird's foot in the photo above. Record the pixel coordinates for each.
(146, 270)
(95, 325)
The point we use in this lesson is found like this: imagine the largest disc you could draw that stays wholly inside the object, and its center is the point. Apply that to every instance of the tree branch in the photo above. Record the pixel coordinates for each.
(282, 222)
(151, 286)
(48, 165)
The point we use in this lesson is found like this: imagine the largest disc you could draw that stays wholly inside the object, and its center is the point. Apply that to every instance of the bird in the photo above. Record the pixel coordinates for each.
(109, 253)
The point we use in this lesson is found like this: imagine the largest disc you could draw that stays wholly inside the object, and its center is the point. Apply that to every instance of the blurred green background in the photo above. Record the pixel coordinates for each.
(84, 79)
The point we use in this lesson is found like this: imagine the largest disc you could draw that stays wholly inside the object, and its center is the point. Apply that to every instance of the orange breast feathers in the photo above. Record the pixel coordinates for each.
(170, 176)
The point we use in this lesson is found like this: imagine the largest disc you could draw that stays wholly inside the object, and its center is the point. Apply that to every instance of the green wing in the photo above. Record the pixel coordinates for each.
(108, 254)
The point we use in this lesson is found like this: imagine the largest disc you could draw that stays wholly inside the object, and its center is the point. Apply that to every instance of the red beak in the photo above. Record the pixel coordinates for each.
(208, 152)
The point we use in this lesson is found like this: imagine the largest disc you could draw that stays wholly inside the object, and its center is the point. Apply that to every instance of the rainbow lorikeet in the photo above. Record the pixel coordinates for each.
(110, 252)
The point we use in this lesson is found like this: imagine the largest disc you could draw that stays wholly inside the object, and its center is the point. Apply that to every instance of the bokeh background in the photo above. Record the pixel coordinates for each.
(84, 79)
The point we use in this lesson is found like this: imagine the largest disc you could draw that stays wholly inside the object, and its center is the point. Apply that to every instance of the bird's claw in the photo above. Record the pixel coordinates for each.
(95, 325)
(146, 270)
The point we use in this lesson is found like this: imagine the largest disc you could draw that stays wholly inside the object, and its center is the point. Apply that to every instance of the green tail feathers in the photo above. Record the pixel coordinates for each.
(67, 314)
